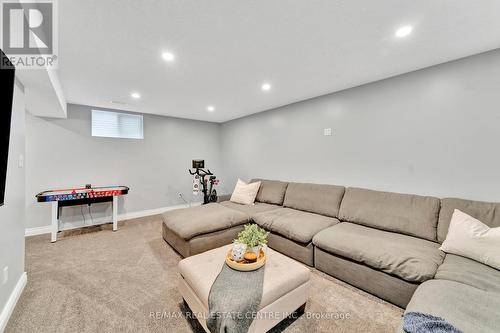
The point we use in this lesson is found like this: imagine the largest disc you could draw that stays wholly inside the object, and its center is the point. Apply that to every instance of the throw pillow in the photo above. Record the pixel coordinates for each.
(471, 238)
(245, 193)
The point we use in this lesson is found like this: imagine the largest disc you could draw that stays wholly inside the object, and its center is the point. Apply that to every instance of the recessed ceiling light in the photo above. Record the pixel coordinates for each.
(210, 108)
(266, 86)
(404, 31)
(168, 56)
(135, 95)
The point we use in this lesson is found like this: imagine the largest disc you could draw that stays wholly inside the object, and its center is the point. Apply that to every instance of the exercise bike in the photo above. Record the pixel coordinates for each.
(207, 181)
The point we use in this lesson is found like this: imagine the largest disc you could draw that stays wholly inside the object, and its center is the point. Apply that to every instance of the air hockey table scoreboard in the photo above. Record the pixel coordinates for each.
(81, 196)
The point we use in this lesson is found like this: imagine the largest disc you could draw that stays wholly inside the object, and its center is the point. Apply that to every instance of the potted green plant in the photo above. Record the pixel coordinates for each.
(254, 237)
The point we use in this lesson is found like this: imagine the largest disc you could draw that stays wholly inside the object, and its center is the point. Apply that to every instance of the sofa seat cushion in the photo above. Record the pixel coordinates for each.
(409, 258)
(467, 308)
(250, 209)
(469, 272)
(294, 224)
(190, 222)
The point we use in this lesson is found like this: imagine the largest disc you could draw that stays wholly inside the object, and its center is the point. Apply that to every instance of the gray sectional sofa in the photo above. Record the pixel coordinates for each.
(384, 243)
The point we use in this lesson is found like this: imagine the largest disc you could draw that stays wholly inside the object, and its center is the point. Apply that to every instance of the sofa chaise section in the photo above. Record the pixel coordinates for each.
(469, 272)
(465, 270)
(198, 229)
(250, 210)
(467, 308)
(384, 245)
(464, 292)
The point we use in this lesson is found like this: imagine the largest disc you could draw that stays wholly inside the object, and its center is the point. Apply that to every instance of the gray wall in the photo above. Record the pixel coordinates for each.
(61, 153)
(435, 131)
(12, 216)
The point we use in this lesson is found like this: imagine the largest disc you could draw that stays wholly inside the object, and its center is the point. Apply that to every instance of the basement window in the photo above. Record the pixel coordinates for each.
(117, 125)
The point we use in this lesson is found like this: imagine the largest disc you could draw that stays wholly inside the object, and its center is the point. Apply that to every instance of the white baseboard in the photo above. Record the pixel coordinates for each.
(37, 231)
(121, 217)
(12, 301)
(149, 212)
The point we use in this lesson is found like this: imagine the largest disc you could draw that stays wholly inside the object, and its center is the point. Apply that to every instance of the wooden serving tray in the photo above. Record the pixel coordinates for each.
(244, 265)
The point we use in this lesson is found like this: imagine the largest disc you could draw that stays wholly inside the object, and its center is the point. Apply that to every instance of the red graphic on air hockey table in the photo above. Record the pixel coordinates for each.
(81, 193)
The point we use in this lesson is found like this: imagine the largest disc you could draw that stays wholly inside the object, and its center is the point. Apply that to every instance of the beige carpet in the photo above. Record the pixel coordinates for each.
(104, 281)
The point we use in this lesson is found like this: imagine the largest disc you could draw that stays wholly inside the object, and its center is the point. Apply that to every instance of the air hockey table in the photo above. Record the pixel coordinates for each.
(81, 196)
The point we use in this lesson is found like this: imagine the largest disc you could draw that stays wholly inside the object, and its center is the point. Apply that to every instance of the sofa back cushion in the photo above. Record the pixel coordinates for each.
(314, 198)
(408, 214)
(271, 191)
(486, 212)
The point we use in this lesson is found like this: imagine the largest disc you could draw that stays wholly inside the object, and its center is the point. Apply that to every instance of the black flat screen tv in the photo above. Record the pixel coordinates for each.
(7, 74)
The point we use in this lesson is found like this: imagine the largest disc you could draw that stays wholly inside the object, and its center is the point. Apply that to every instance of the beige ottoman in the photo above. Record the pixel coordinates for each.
(286, 286)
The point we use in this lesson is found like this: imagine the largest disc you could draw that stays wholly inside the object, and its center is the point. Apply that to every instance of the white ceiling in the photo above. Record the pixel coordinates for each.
(226, 49)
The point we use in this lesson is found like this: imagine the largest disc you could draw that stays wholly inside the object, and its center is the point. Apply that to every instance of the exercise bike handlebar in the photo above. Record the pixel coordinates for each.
(197, 172)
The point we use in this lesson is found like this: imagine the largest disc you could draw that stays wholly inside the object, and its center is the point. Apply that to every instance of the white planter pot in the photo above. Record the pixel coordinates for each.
(255, 249)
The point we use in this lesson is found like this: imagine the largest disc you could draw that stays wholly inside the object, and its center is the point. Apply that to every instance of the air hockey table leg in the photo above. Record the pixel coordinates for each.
(55, 222)
(115, 213)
